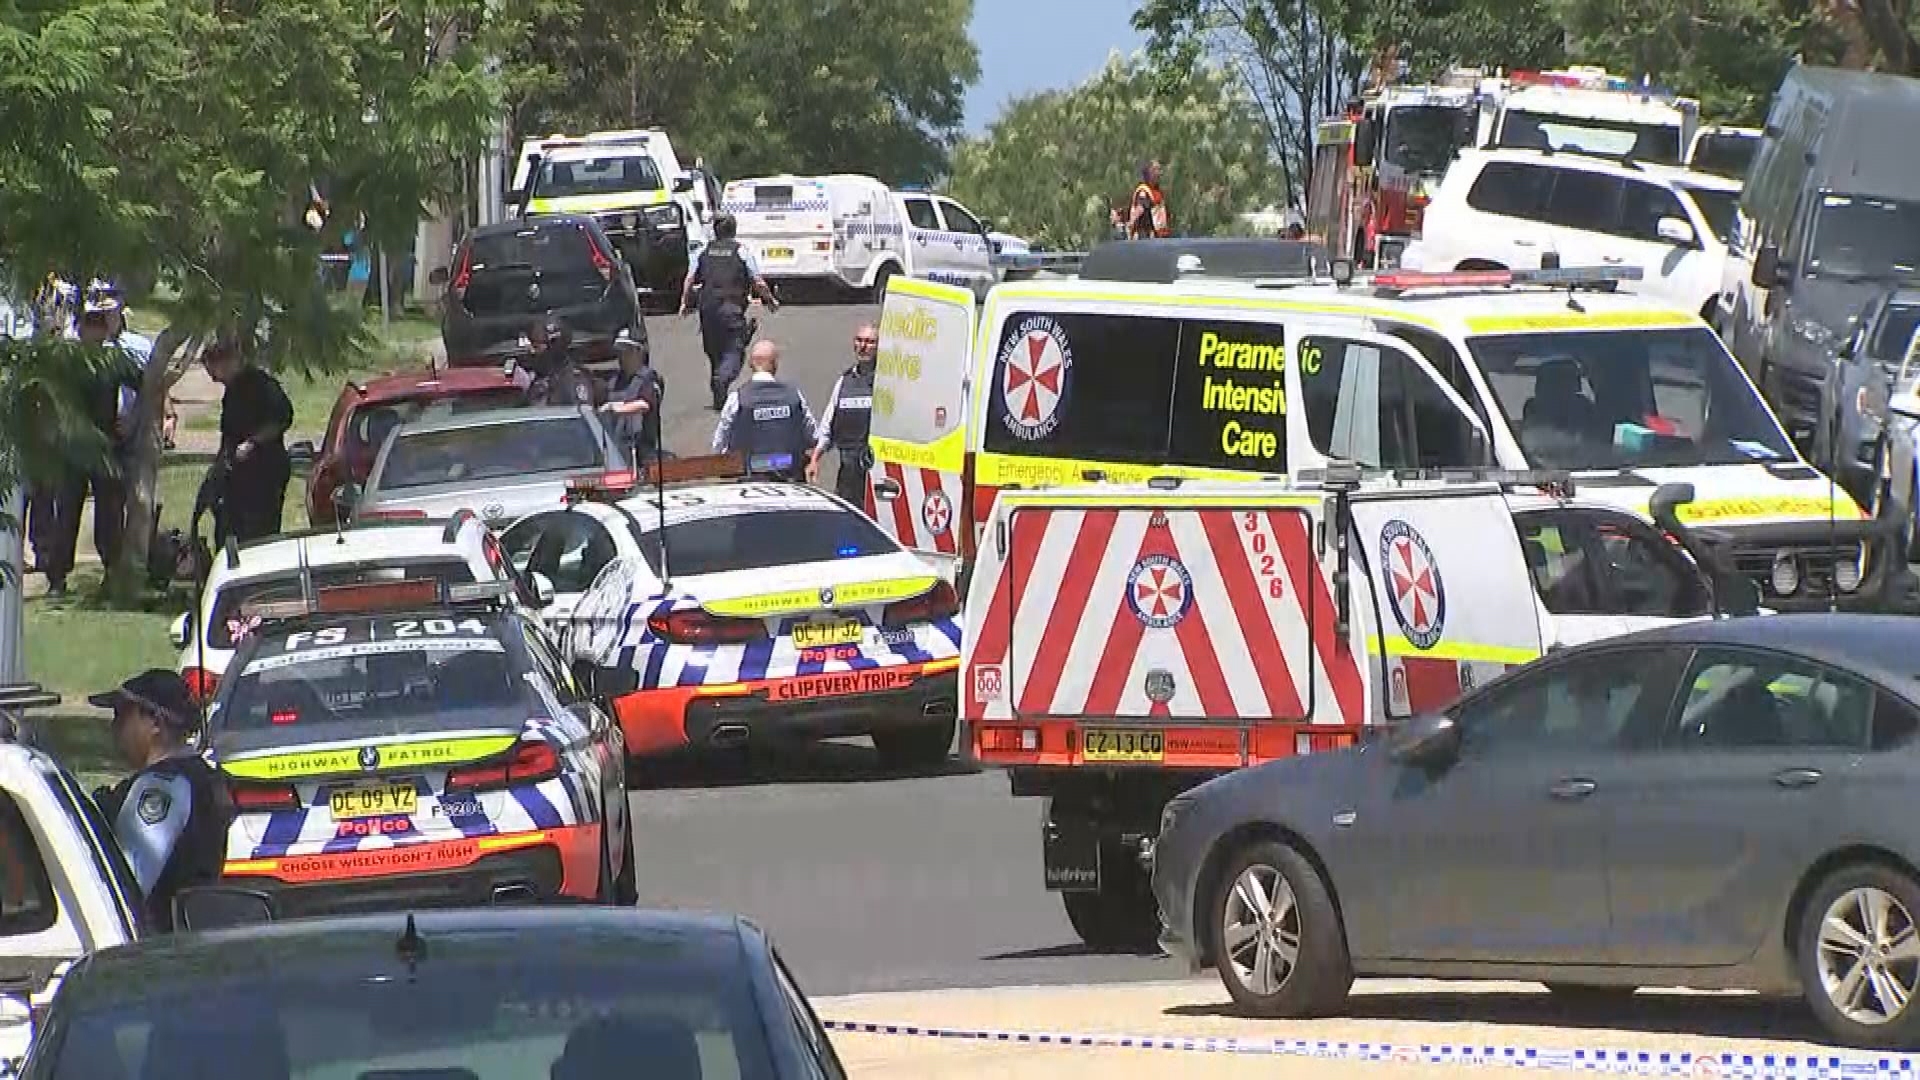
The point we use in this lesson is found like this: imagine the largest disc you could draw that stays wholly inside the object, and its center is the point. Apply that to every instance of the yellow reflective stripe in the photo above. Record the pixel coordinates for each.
(346, 759)
(948, 453)
(1019, 500)
(1578, 320)
(1002, 470)
(511, 841)
(863, 592)
(931, 290)
(1397, 645)
(1002, 295)
(593, 204)
(1770, 507)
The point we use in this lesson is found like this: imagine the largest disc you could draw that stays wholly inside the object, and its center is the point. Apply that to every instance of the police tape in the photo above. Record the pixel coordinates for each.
(1699, 1066)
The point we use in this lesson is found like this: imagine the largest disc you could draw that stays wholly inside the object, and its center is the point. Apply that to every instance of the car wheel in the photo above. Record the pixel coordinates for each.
(1280, 948)
(1121, 918)
(916, 746)
(1859, 956)
(626, 884)
(1582, 995)
(880, 283)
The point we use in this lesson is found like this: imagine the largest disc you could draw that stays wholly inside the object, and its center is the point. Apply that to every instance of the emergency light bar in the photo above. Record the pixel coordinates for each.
(1572, 277)
(375, 596)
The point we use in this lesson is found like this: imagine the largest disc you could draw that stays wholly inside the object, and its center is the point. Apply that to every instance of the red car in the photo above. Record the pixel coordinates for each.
(367, 412)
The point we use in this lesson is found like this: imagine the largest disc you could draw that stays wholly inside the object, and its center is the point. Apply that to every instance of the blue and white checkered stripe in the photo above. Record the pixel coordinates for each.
(1562, 1059)
(873, 228)
(797, 206)
(663, 664)
(959, 241)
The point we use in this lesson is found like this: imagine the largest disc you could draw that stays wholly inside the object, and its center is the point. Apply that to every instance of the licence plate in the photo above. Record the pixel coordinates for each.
(1122, 744)
(779, 253)
(372, 800)
(812, 635)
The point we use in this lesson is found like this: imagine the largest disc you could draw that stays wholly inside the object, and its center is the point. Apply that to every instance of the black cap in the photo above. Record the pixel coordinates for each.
(157, 690)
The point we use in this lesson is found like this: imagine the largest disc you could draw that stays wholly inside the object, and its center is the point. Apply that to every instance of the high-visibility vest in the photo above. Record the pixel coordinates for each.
(1161, 225)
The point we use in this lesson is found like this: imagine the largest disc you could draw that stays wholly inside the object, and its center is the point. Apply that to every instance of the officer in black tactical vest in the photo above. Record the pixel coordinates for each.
(848, 418)
(766, 420)
(170, 816)
(726, 275)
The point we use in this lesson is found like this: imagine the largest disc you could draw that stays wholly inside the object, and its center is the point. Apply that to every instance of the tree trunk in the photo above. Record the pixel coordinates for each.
(127, 577)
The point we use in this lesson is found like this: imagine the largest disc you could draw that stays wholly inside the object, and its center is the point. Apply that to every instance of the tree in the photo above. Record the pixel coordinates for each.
(1729, 54)
(1055, 164)
(192, 131)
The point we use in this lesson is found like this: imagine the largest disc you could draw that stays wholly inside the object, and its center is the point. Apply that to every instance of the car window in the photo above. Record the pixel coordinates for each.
(596, 176)
(1373, 405)
(1736, 699)
(569, 548)
(1720, 208)
(808, 1023)
(1642, 205)
(958, 220)
(920, 213)
(1897, 327)
(1640, 572)
(370, 425)
(230, 625)
(1894, 722)
(1557, 559)
(27, 904)
(1511, 189)
(491, 452)
(1587, 703)
(1092, 387)
(744, 541)
(1588, 201)
(558, 247)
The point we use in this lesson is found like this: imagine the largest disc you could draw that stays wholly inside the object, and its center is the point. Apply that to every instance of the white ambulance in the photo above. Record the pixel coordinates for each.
(1123, 644)
(849, 232)
(1066, 382)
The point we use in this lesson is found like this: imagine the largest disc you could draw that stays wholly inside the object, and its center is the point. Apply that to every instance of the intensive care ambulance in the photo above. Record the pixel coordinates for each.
(1065, 382)
(849, 232)
(1124, 644)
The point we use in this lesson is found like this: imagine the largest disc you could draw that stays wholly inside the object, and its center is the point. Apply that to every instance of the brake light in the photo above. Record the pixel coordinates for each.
(696, 627)
(939, 602)
(391, 515)
(1416, 212)
(601, 261)
(247, 796)
(463, 275)
(200, 683)
(530, 764)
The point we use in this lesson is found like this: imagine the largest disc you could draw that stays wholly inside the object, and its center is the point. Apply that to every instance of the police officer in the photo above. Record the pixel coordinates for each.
(766, 420)
(558, 379)
(254, 417)
(633, 398)
(171, 815)
(848, 418)
(726, 276)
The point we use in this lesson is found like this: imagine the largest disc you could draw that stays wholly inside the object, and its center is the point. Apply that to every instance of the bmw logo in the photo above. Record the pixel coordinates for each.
(826, 596)
(369, 757)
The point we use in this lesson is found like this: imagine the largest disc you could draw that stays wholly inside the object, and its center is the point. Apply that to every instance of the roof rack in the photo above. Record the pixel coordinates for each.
(377, 596)
(1596, 278)
(1556, 481)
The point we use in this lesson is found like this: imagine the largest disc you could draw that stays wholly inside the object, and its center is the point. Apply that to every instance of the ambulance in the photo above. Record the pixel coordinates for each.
(1066, 382)
(1588, 109)
(1124, 644)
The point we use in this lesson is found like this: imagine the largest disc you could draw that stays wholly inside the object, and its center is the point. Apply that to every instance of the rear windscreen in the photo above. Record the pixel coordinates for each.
(230, 625)
(490, 452)
(720, 545)
(556, 248)
(383, 674)
(371, 424)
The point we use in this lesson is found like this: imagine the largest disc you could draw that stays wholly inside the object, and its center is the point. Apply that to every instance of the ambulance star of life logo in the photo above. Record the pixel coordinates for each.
(1034, 364)
(1159, 591)
(1414, 590)
(937, 512)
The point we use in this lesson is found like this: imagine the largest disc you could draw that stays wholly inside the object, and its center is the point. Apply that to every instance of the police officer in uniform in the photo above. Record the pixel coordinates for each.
(766, 420)
(848, 419)
(255, 414)
(171, 815)
(726, 276)
(633, 398)
(558, 379)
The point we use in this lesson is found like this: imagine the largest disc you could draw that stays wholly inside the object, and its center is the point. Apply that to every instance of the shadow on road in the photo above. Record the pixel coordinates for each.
(1075, 949)
(1732, 1016)
(817, 763)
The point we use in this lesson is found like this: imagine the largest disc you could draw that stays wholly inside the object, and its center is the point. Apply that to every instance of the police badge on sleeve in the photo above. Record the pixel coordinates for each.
(153, 805)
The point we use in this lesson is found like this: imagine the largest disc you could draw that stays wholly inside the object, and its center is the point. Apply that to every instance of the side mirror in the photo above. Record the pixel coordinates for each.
(1767, 271)
(439, 277)
(212, 907)
(180, 631)
(1676, 231)
(682, 184)
(1664, 506)
(303, 452)
(542, 588)
(985, 226)
(16, 1020)
(1425, 740)
(1363, 142)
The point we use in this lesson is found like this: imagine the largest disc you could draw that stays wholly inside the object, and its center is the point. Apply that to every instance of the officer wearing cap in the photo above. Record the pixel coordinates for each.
(171, 815)
(558, 379)
(633, 398)
(848, 419)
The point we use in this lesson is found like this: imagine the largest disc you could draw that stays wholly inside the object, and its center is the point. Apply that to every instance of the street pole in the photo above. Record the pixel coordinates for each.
(13, 580)
(386, 303)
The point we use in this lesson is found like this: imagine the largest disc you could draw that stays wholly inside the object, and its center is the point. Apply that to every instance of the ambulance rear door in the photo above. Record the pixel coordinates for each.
(917, 486)
(1453, 603)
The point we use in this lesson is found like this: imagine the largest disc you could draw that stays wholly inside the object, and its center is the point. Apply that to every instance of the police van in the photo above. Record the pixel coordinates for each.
(849, 232)
(1126, 643)
(1065, 382)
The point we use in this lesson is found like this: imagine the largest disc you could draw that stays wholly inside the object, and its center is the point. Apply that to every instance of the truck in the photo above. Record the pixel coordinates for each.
(1405, 138)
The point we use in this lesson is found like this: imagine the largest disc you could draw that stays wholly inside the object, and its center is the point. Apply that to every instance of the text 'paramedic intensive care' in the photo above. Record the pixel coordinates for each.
(912, 325)
(1257, 389)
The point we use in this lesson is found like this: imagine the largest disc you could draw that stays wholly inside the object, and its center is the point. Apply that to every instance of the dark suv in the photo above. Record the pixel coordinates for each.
(507, 278)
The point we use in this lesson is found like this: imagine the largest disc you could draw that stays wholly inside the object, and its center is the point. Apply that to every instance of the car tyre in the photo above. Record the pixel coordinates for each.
(1272, 908)
(1123, 918)
(626, 884)
(1858, 954)
(880, 283)
(914, 747)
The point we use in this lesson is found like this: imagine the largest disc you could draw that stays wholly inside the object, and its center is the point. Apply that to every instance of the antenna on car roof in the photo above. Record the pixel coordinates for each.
(1833, 569)
(660, 505)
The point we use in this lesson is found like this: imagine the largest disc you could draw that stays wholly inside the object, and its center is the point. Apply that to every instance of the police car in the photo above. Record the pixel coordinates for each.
(720, 612)
(458, 549)
(418, 744)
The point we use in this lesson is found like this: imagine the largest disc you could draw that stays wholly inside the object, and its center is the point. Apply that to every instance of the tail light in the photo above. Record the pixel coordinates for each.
(1416, 212)
(251, 797)
(391, 515)
(696, 627)
(200, 683)
(601, 260)
(940, 602)
(463, 274)
(530, 764)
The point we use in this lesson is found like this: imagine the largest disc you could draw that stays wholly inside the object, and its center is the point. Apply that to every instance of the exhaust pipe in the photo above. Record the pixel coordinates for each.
(728, 735)
(517, 893)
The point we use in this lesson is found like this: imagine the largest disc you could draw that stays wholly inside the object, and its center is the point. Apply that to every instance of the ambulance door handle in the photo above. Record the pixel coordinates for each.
(1522, 243)
(886, 488)
(1572, 788)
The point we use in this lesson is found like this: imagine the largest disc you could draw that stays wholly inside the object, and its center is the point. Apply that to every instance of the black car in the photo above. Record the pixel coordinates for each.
(578, 994)
(509, 278)
(1724, 804)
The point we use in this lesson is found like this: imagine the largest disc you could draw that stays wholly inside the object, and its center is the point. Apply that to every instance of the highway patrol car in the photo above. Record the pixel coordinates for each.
(416, 744)
(722, 612)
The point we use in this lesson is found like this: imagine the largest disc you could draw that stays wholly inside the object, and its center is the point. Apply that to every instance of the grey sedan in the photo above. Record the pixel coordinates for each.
(502, 464)
(1724, 804)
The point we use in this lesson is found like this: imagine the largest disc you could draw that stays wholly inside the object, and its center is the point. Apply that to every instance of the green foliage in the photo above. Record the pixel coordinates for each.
(869, 86)
(1054, 165)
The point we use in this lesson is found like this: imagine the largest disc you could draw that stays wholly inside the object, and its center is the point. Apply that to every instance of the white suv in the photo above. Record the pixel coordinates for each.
(1503, 209)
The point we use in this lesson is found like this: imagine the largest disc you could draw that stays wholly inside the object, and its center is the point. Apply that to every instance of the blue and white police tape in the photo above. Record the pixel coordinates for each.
(1705, 1065)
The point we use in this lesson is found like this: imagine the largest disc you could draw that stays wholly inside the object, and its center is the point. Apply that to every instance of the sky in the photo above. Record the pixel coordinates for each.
(1031, 45)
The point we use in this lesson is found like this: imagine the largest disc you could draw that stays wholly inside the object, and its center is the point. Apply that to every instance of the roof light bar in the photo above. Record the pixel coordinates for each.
(479, 592)
(704, 467)
(1563, 276)
(376, 596)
